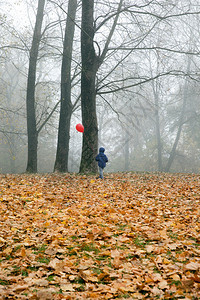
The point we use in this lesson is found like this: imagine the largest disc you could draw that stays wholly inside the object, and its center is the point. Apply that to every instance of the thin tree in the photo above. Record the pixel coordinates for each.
(30, 95)
(181, 120)
(61, 163)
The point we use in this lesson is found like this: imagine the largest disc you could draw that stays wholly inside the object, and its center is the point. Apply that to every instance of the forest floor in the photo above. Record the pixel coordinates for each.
(69, 236)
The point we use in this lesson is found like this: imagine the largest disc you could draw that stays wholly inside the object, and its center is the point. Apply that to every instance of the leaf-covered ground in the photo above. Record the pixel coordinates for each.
(130, 235)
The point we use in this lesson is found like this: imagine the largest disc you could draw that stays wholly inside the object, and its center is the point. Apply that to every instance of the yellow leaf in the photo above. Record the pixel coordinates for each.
(14, 229)
(106, 253)
(176, 277)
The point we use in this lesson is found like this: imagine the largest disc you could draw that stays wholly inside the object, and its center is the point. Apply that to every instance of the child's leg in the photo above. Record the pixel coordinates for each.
(100, 172)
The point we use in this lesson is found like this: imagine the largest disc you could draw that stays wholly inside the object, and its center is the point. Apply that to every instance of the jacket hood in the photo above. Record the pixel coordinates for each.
(101, 150)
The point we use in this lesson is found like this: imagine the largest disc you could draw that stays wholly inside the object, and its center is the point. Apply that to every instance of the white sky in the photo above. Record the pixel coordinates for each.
(16, 10)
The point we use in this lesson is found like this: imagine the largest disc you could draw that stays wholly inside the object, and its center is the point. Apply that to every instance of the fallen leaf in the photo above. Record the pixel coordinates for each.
(67, 287)
(192, 266)
(40, 282)
(163, 285)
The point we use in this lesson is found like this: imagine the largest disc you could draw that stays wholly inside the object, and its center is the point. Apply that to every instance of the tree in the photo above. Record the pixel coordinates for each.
(12, 132)
(88, 94)
(61, 163)
(156, 90)
(181, 120)
(90, 65)
(30, 95)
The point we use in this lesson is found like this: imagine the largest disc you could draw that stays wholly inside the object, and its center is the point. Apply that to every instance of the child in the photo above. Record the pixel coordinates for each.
(102, 160)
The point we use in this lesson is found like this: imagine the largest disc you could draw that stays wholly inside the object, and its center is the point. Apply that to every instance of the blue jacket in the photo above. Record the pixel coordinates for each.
(101, 158)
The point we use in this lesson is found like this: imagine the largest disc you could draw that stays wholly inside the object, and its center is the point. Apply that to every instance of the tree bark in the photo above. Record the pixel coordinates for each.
(30, 95)
(61, 163)
(88, 91)
(90, 66)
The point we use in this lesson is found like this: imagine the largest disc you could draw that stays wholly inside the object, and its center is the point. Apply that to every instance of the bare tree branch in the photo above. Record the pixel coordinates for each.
(154, 48)
(141, 81)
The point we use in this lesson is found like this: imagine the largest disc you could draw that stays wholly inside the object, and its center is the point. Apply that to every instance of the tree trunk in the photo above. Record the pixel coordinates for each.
(158, 135)
(126, 152)
(181, 122)
(30, 95)
(88, 91)
(90, 66)
(61, 163)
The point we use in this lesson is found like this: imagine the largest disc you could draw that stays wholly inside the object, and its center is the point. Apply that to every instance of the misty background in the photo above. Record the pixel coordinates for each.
(147, 88)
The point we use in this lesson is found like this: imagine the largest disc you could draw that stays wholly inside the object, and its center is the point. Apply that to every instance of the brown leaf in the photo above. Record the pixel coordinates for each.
(23, 252)
(56, 264)
(67, 287)
(193, 266)
(20, 288)
(40, 282)
(163, 285)
(46, 294)
(188, 283)
(196, 278)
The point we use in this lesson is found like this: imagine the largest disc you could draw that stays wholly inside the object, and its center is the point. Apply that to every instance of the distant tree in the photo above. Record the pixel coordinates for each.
(12, 132)
(181, 120)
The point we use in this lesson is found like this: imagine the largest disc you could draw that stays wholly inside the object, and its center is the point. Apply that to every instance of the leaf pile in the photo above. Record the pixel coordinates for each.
(70, 236)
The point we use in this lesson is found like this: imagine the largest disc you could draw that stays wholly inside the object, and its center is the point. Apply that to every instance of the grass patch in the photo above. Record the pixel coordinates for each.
(89, 248)
(43, 260)
(51, 277)
(40, 249)
(4, 282)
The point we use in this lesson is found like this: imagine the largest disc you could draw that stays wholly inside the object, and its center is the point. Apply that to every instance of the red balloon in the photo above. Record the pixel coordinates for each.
(80, 127)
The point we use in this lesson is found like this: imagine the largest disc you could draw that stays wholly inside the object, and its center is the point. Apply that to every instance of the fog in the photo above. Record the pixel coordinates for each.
(147, 88)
